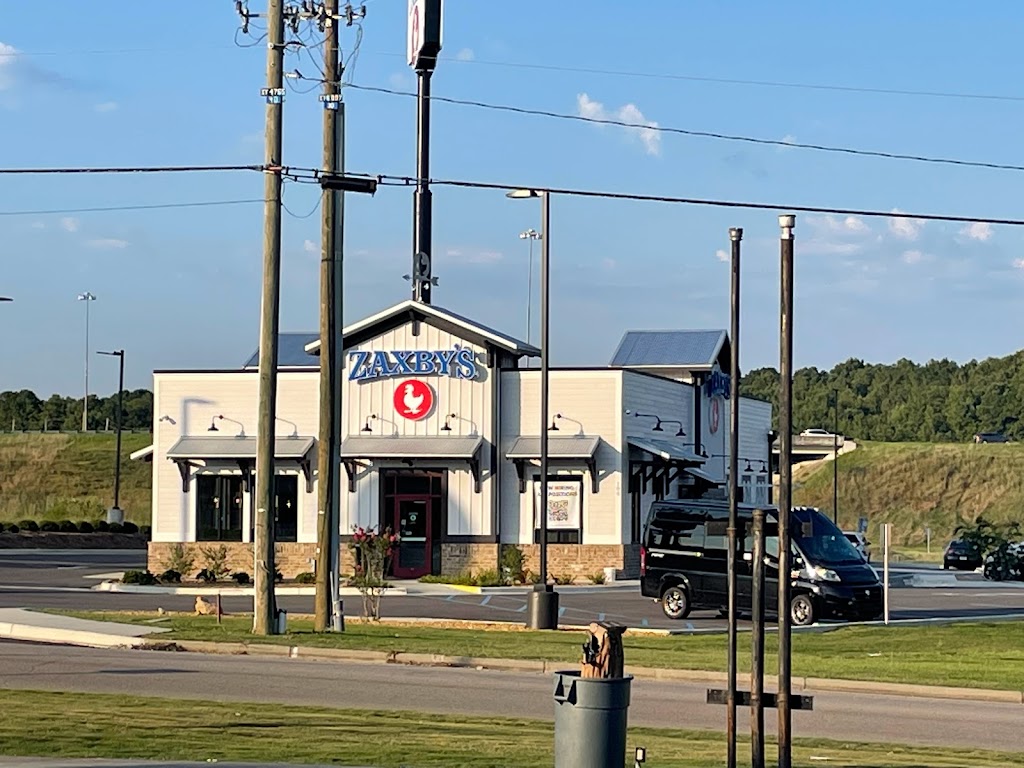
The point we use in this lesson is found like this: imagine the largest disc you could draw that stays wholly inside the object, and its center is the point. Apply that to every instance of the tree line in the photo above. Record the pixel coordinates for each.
(940, 401)
(24, 411)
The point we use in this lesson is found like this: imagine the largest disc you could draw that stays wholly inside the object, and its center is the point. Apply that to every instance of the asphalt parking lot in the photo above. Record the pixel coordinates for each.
(64, 579)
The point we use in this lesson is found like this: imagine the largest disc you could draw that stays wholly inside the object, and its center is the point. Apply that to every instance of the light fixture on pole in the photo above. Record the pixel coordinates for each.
(531, 235)
(219, 417)
(543, 600)
(87, 297)
(115, 514)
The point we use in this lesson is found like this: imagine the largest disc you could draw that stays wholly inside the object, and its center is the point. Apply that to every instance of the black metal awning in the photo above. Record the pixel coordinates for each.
(411, 449)
(571, 448)
(240, 450)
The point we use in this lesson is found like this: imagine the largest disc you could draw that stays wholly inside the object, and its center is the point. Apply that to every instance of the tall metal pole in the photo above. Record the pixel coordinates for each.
(422, 207)
(735, 236)
(786, 223)
(545, 360)
(120, 417)
(531, 236)
(264, 608)
(327, 456)
(87, 297)
(835, 458)
(757, 644)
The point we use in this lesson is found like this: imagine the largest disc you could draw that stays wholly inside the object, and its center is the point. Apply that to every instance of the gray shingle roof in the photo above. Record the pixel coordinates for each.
(682, 349)
(291, 352)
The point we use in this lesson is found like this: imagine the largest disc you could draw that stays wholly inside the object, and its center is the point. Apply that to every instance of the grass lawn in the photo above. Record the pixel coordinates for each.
(105, 726)
(964, 655)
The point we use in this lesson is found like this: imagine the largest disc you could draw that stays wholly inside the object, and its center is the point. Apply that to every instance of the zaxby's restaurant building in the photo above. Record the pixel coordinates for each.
(441, 443)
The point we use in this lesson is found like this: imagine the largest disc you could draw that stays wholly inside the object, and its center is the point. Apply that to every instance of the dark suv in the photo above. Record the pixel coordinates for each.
(961, 555)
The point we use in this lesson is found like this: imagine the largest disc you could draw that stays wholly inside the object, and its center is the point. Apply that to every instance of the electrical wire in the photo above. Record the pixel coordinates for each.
(104, 209)
(696, 133)
(406, 181)
(133, 169)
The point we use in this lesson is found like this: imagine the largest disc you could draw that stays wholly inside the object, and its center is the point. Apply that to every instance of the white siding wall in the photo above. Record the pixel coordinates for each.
(592, 398)
(667, 398)
(192, 400)
(469, 513)
(755, 423)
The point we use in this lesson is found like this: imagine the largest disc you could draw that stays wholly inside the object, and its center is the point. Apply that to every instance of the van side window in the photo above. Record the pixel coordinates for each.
(716, 538)
(771, 540)
(689, 531)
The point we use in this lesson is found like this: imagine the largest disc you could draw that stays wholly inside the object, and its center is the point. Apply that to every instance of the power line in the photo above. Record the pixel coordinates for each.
(199, 204)
(139, 169)
(405, 181)
(698, 134)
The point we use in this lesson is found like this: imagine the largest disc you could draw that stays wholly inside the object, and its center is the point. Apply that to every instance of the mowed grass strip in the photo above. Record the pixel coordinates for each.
(70, 725)
(970, 655)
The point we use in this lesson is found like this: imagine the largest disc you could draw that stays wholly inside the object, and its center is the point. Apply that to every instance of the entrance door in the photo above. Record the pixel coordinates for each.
(412, 522)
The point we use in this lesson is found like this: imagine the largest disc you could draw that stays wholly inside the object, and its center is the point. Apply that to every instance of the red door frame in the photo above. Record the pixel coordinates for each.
(396, 565)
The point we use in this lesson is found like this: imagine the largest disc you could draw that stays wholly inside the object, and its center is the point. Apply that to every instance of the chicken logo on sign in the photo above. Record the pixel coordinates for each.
(414, 399)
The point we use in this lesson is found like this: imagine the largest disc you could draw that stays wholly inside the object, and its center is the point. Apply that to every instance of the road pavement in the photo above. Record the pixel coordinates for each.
(836, 715)
(64, 579)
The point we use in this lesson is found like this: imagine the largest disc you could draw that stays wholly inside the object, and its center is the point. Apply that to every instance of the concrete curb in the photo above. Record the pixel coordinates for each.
(548, 667)
(582, 589)
(58, 636)
(305, 590)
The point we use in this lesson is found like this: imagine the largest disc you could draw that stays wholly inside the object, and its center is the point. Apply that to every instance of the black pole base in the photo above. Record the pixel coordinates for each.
(542, 607)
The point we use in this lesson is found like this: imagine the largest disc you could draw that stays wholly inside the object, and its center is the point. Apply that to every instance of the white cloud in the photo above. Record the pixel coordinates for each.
(905, 228)
(787, 139)
(473, 256)
(401, 80)
(839, 224)
(106, 106)
(828, 247)
(310, 247)
(8, 57)
(721, 255)
(912, 257)
(107, 243)
(1018, 263)
(38, 225)
(69, 224)
(608, 264)
(977, 230)
(628, 113)
(466, 54)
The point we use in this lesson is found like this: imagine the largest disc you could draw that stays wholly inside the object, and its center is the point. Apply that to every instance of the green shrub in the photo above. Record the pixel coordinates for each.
(180, 559)
(49, 527)
(305, 578)
(463, 579)
(489, 578)
(29, 525)
(147, 531)
(130, 527)
(531, 578)
(85, 527)
(512, 561)
(241, 577)
(170, 576)
(563, 578)
(12, 528)
(66, 526)
(215, 560)
(102, 526)
(278, 576)
(206, 575)
(433, 578)
(115, 528)
(138, 577)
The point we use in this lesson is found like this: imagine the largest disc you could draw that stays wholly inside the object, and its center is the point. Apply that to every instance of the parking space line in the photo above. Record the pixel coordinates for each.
(486, 600)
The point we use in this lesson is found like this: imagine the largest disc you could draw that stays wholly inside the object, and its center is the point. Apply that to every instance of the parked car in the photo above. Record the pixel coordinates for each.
(990, 437)
(815, 432)
(684, 555)
(961, 555)
(860, 543)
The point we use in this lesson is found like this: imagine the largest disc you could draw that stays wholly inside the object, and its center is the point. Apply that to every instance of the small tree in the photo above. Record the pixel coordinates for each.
(215, 561)
(181, 559)
(372, 551)
(996, 546)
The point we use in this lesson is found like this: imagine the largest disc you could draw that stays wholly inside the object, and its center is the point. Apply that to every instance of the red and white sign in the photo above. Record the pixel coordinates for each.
(715, 414)
(415, 30)
(413, 399)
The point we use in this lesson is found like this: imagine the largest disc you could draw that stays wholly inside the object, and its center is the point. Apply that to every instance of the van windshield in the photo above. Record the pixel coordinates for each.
(822, 543)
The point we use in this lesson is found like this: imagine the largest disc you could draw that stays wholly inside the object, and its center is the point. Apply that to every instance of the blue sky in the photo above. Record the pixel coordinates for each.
(180, 287)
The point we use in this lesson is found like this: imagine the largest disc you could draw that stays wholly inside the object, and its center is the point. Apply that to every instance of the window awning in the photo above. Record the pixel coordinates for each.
(665, 450)
(409, 449)
(238, 449)
(579, 448)
(700, 474)
(668, 460)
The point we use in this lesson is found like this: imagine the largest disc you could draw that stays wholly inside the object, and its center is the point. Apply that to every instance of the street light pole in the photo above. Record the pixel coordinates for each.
(531, 235)
(543, 600)
(115, 515)
(835, 458)
(86, 297)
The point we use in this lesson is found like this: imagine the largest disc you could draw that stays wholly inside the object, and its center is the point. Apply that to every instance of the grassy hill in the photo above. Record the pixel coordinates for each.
(914, 485)
(71, 477)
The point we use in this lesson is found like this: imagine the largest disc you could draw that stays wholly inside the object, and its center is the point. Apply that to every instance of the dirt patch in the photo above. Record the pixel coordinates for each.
(28, 540)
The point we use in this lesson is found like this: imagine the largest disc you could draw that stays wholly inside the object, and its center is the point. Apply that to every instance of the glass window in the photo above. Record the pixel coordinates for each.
(286, 506)
(218, 508)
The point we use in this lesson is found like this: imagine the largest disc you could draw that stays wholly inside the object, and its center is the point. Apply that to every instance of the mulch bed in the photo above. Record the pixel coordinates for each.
(28, 540)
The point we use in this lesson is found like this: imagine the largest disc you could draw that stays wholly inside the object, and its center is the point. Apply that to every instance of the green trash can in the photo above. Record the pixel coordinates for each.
(590, 720)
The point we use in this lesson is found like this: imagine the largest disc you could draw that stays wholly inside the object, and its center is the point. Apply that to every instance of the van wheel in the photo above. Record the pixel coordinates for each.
(802, 611)
(675, 602)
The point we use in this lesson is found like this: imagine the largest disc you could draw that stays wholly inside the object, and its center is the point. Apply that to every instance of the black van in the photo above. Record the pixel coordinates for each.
(683, 563)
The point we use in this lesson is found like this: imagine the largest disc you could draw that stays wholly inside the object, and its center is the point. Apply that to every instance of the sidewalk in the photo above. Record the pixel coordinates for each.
(26, 625)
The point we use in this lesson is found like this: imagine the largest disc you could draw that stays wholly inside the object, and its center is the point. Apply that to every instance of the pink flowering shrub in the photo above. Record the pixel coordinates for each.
(372, 552)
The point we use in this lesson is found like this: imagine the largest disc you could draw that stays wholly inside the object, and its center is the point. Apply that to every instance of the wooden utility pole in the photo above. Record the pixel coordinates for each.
(264, 607)
(331, 351)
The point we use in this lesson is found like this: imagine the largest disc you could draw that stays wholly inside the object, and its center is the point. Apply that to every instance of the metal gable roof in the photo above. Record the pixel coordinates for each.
(669, 349)
(291, 352)
(411, 447)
